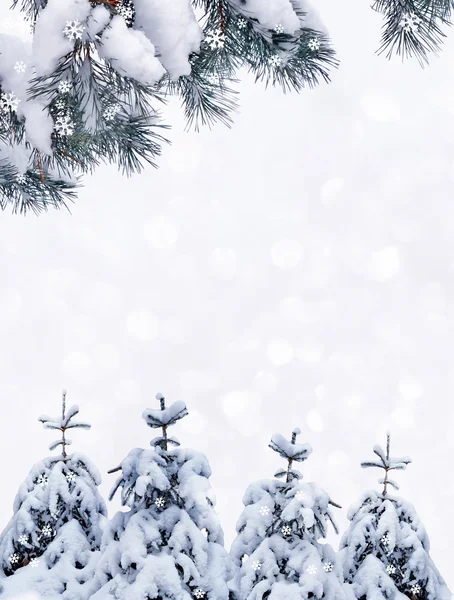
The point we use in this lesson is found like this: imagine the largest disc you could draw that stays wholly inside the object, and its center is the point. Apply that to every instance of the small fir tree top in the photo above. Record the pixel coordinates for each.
(277, 550)
(170, 542)
(57, 520)
(385, 551)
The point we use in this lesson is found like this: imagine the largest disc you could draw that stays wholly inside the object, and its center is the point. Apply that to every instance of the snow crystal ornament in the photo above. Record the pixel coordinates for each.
(314, 44)
(60, 104)
(70, 477)
(125, 8)
(215, 39)
(385, 550)
(156, 549)
(391, 569)
(279, 29)
(23, 539)
(111, 111)
(46, 530)
(410, 23)
(275, 60)
(242, 23)
(64, 125)
(311, 569)
(415, 589)
(73, 30)
(264, 511)
(9, 102)
(14, 558)
(43, 480)
(34, 562)
(21, 179)
(64, 86)
(20, 67)
(300, 495)
(286, 546)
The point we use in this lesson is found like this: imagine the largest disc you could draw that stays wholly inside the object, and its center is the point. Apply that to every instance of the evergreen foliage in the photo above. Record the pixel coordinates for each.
(277, 551)
(385, 551)
(97, 72)
(57, 522)
(169, 544)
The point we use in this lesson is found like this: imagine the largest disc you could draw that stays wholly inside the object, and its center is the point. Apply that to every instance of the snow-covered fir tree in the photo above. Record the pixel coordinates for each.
(169, 544)
(56, 529)
(278, 551)
(385, 551)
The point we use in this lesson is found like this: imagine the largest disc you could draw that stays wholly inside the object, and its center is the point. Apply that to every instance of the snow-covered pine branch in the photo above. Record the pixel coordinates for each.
(170, 542)
(85, 89)
(277, 550)
(385, 550)
(387, 463)
(63, 423)
(49, 546)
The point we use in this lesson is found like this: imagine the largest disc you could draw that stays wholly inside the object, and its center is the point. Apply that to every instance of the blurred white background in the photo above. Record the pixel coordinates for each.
(297, 270)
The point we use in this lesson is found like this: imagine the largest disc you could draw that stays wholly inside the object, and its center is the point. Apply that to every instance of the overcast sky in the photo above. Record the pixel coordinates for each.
(296, 270)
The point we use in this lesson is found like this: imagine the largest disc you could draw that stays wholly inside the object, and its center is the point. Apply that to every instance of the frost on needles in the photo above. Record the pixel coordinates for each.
(86, 85)
(385, 551)
(49, 545)
(169, 544)
(278, 552)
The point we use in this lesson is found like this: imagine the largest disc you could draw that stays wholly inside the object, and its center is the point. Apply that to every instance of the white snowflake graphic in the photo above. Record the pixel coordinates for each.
(410, 23)
(391, 569)
(20, 66)
(199, 593)
(279, 28)
(264, 510)
(110, 112)
(73, 30)
(23, 539)
(385, 539)
(311, 569)
(43, 480)
(274, 60)
(241, 23)
(46, 530)
(314, 44)
(64, 86)
(256, 565)
(159, 502)
(60, 104)
(328, 567)
(300, 495)
(126, 12)
(64, 126)
(9, 101)
(215, 39)
(70, 476)
(415, 588)
(20, 179)
(286, 530)
(34, 562)
(14, 558)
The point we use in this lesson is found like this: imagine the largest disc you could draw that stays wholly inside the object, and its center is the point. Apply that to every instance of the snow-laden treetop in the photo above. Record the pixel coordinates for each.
(164, 417)
(291, 451)
(63, 423)
(387, 463)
